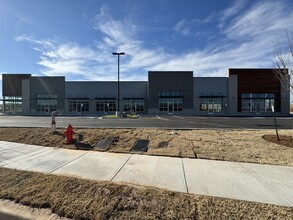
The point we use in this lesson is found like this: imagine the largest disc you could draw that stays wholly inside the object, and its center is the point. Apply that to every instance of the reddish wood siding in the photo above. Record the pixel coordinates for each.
(256, 81)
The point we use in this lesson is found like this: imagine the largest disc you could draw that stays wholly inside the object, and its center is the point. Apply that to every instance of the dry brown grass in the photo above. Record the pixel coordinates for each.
(242, 146)
(228, 145)
(84, 199)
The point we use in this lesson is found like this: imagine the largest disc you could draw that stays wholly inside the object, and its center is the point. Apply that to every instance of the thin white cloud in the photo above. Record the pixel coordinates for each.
(69, 59)
(27, 19)
(191, 27)
(182, 27)
(30, 39)
(216, 63)
(118, 31)
(247, 41)
(234, 9)
(264, 18)
(121, 36)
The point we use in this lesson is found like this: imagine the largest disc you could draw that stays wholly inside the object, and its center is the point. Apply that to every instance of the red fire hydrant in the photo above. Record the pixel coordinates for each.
(69, 134)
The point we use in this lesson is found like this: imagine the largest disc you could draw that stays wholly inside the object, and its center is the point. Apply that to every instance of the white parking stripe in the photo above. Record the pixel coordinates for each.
(224, 118)
(165, 119)
(178, 117)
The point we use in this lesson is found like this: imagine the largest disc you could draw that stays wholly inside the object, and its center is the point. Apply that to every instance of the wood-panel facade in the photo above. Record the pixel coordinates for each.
(257, 81)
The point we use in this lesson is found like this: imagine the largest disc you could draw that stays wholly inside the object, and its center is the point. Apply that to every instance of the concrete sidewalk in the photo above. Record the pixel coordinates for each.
(243, 181)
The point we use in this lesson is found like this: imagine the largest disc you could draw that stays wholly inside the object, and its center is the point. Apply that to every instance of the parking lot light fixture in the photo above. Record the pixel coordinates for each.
(118, 90)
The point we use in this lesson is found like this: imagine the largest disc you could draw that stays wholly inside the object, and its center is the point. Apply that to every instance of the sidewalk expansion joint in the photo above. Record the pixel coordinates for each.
(184, 176)
(64, 164)
(267, 184)
(120, 168)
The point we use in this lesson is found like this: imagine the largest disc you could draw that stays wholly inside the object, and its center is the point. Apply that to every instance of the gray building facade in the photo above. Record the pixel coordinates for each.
(101, 97)
(43, 95)
(210, 95)
(244, 92)
(170, 92)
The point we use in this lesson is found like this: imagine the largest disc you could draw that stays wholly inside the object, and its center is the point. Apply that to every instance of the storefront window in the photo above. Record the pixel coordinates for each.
(12, 104)
(170, 105)
(133, 105)
(78, 106)
(105, 106)
(170, 101)
(170, 94)
(211, 104)
(257, 102)
(46, 103)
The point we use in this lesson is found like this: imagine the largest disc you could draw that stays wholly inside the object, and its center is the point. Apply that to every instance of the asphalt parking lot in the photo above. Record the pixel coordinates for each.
(155, 121)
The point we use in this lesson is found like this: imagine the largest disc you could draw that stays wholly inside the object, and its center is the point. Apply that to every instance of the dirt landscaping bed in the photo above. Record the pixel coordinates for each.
(284, 140)
(84, 199)
(229, 145)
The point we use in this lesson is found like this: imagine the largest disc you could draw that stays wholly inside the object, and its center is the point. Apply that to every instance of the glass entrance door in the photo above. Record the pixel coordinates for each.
(257, 105)
(170, 107)
(78, 107)
(106, 108)
(133, 108)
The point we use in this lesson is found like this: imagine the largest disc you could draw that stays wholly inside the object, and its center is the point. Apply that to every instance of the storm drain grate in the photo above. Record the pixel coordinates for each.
(104, 144)
(140, 145)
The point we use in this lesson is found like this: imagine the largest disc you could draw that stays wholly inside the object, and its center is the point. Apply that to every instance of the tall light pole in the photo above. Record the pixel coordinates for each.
(118, 54)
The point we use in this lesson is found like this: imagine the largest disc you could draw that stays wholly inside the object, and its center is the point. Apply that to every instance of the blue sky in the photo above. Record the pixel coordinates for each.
(76, 38)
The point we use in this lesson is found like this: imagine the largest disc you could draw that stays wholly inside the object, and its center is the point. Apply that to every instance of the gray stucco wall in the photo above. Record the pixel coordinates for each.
(164, 81)
(47, 86)
(92, 90)
(285, 101)
(209, 86)
(134, 90)
(233, 95)
(26, 96)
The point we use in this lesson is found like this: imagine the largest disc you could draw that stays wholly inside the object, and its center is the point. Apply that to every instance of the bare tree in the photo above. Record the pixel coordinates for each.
(284, 63)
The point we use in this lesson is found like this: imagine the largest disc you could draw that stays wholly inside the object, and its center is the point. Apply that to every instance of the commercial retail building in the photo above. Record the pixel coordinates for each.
(243, 92)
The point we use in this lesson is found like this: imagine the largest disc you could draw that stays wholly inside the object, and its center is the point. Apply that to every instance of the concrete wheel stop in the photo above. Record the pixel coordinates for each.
(140, 145)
